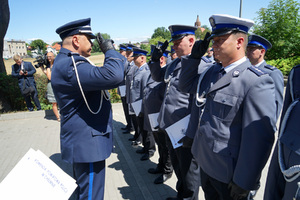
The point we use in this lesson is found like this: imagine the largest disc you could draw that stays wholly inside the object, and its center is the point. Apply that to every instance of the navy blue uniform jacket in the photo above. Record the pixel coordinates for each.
(30, 70)
(175, 105)
(85, 137)
(153, 98)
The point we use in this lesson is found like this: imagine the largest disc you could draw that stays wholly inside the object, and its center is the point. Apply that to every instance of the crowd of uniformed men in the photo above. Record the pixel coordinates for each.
(212, 111)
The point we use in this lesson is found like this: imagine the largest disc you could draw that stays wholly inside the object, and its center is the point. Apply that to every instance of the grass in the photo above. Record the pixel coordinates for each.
(96, 58)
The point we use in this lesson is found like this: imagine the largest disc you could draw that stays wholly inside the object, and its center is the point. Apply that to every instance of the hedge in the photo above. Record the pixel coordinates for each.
(285, 65)
(10, 93)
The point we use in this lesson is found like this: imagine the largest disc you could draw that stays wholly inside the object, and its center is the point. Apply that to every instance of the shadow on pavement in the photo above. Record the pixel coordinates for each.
(133, 190)
(49, 115)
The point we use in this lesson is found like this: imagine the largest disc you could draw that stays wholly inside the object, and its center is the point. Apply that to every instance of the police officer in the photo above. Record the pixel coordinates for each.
(153, 95)
(138, 84)
(128, 74)
(173, 53)
(197, 104)
(210, 55)
(283, 175)
(165, 53)
(175, 107)
(122, 91)
(236, 131)
(86, 116)
(130, 69)
(256, 50)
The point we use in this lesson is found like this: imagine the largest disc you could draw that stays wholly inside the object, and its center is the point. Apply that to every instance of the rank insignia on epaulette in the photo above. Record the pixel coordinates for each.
(257, 71)
(206, 59)
(78, 62)
(73, 53)
(270, 67)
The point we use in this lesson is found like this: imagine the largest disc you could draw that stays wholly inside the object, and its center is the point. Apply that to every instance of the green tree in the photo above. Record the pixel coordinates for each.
(96, 47)
(55, 43)
(38, 44)
(161, 32)
(280, 24)
(154, 41)
(199, 34)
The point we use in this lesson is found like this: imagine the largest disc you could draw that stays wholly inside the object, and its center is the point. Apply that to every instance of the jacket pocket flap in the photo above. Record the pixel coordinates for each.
(101, 132)
(225, 99)
(225, 149)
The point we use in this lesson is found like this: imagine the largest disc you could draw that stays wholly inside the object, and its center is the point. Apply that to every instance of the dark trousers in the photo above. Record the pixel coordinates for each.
(34, 97)
(136, 128)
(214, 189)
(187, 171)
(164, 160)
(90, 178)
(147, 137)
(126, 113)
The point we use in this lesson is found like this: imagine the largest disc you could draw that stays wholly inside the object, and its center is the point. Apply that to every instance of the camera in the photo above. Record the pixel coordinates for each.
(24, 71)
(41, 60)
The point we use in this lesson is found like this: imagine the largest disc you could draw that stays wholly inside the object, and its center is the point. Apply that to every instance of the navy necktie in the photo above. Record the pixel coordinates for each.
(222, 72)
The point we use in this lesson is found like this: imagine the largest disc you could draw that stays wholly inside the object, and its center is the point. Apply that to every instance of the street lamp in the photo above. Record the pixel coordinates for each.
(241, 6)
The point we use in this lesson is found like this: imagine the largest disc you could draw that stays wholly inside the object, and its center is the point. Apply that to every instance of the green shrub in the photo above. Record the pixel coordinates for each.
(10, 92)
(114, 96)
(41, 86)
(285, 65)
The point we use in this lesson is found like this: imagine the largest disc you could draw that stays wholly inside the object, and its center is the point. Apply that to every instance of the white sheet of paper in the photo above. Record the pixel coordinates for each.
(37, 177)
(153, 120)
(177, 131)
(137, 107)
(122, 89)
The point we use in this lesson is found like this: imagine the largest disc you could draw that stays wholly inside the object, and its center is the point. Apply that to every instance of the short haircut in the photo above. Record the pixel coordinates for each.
(16, 57)
(243, 35)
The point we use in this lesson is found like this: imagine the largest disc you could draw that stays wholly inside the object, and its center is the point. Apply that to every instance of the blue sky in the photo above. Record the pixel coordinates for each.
(124, 21)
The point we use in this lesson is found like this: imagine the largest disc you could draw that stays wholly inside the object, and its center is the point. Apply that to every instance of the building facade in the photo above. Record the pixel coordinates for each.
(13, 47)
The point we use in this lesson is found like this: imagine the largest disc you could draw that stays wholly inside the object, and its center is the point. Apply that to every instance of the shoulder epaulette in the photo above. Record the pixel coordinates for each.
(270, 67)
(206, 59)
(73, 54)
(257, 71)
(80, 61)
(77, 58)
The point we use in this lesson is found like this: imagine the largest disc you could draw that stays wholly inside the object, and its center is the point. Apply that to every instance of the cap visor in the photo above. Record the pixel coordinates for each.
(177, 38)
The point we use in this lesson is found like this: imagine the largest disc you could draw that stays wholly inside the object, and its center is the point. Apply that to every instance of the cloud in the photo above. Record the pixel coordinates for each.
(31, 39)
(131, 39)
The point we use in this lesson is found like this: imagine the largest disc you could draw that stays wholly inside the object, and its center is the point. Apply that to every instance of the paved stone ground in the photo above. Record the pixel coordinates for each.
(126, 175)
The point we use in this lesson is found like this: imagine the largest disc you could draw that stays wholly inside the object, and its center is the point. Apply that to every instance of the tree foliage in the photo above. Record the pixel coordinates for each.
(161, 32)
(199, 34)
(96, 47)
(280, 24)
(55, 43)
(38, 44)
